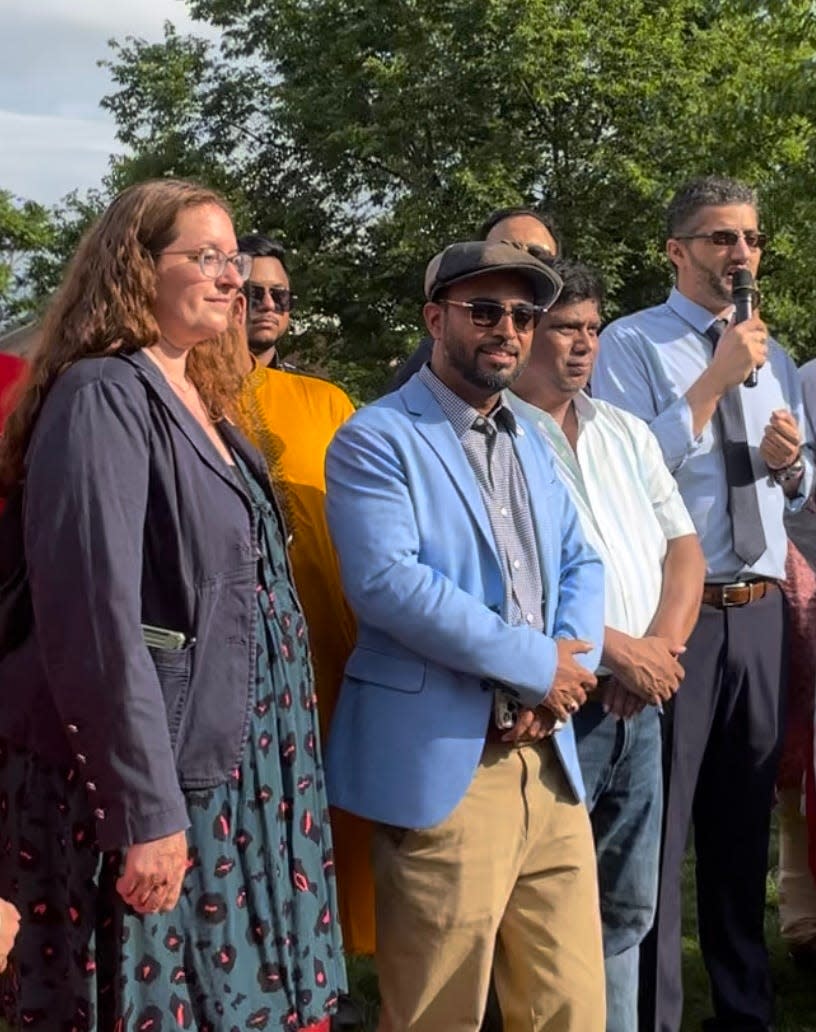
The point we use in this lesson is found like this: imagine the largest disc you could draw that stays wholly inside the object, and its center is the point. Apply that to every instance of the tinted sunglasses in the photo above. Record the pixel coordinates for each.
(489, 313)
(730, 237)
(282, 298)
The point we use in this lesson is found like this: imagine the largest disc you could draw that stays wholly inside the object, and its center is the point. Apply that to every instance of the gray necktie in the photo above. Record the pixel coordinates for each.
(743, 504)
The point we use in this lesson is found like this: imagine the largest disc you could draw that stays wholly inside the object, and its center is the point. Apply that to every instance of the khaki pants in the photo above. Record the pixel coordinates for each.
(507, 881)
(797, 891)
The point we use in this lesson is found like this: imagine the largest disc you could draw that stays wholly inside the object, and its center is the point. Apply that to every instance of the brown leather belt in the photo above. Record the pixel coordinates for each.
(722, 596)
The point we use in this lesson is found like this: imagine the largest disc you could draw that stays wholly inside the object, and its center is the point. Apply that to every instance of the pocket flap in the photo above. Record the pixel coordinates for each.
(397, 672)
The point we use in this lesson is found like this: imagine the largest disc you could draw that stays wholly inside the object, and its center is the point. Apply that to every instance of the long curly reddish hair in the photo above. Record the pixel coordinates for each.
(105, 303)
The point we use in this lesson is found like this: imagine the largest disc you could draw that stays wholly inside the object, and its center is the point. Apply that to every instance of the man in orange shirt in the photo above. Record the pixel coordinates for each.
(292, 418)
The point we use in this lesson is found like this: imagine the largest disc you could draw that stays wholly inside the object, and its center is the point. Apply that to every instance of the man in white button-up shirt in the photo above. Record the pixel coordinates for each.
(632, 514)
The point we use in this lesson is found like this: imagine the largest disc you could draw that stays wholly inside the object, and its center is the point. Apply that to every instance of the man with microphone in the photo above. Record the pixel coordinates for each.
(738, 455)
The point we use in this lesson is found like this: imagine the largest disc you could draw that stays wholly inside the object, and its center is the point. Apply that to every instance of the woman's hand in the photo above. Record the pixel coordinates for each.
(153, 874)
(9, 926)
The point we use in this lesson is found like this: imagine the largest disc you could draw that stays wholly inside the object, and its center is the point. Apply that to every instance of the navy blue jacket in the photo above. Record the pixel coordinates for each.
(131, 516)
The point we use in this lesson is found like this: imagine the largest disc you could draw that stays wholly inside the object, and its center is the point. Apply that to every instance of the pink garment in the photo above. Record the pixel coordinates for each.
(11, 371)
(799, 587)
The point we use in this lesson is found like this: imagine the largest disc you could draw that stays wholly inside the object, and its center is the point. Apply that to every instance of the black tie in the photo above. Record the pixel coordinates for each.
(743, 505)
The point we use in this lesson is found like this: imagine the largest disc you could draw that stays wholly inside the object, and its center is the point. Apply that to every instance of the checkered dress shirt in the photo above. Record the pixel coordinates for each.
(488, 444)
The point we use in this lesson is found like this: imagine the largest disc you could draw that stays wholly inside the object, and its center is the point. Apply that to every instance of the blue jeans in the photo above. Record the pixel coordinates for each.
(621, 764)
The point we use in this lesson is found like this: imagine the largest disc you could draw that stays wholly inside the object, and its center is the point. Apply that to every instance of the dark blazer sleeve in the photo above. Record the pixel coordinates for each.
(85, 503)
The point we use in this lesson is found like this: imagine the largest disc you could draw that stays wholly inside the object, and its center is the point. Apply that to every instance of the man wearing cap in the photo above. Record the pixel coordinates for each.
(480, 616)
(536, 228)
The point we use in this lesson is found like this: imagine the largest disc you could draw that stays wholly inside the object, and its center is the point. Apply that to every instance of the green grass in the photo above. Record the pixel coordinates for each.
(795, 990)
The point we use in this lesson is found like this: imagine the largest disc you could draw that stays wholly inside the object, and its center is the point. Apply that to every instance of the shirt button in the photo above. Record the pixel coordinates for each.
(520, 432)
(530, 618)
(503, 510)
(81, 758)
(90, 786)
(516, 564)
(99, 814)
(72, 729)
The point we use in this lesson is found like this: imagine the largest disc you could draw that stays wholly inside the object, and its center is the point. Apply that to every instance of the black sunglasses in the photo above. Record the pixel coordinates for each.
(283, 299)
(489, 313)
(730, 237)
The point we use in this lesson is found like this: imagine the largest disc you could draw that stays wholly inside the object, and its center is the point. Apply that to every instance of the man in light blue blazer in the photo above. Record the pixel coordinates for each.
(480, 610)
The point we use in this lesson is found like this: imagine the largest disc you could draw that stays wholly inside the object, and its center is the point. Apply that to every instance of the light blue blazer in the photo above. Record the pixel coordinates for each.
(420, 570)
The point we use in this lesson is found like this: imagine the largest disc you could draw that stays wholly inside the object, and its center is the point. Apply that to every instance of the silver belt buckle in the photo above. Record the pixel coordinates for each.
(727, 588)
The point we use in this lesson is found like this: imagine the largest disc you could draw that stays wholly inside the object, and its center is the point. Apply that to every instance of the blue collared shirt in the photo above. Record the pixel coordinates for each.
(647, 362)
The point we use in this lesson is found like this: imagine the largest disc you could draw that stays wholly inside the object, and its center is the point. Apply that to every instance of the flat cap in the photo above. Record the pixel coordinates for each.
(472, 258)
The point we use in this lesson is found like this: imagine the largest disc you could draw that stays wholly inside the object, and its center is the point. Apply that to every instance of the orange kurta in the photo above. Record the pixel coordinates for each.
(292, 418)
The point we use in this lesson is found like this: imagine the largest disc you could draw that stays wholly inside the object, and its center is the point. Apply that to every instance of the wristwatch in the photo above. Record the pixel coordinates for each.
(791, 472)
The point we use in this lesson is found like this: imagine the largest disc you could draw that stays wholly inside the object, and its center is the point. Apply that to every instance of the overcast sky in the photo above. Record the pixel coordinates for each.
(53, 135)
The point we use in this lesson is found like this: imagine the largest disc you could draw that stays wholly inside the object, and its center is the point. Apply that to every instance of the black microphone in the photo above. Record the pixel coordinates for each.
(742, 294)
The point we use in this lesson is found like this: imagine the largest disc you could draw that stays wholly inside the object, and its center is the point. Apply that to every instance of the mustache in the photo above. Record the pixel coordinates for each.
(499, 345)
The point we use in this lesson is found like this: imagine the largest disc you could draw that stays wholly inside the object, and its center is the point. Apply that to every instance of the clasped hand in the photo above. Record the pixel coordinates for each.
(649, 668)
(153, 873)
(567, 694)
(646, 672)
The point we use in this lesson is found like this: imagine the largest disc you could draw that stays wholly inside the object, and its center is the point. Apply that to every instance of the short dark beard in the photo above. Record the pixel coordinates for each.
(470, 372)
(258, 347)
(492, 382)
(718, 289)
(714, 282)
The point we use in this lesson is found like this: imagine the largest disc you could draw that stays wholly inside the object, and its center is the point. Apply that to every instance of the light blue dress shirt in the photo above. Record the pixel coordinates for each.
(647, 362)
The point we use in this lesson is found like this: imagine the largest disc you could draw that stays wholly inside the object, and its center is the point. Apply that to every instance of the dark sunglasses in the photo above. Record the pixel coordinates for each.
(730, 237)
(489, 313)
(283, 299)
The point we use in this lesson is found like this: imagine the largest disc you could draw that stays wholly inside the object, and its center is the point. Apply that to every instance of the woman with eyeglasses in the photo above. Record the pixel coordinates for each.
(162, 810)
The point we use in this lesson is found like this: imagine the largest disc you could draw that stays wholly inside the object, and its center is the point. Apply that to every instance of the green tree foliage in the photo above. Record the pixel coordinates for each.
(370, 133)
(26, 229)
(69, 219)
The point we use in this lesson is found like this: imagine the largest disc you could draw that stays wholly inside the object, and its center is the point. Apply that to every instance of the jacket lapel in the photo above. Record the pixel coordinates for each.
(156, 383)
(255, 461)
(433, 425)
